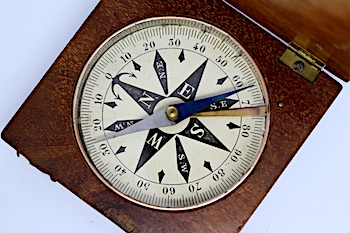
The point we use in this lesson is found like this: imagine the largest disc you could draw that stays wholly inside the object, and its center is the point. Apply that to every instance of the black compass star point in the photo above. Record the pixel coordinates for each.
(232, 125)
(208, 166)
(221, 80)
(182, 56)
(136, 66)
(111, 104)
(121, 150)
(161, 175)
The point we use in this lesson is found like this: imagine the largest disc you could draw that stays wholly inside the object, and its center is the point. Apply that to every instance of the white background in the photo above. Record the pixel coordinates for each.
(312, 195)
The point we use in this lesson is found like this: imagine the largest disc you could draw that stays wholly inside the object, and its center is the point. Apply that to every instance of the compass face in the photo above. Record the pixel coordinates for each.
(149, 65)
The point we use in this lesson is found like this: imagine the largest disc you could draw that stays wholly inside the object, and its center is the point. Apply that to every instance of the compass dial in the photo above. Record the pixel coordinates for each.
(163, 61)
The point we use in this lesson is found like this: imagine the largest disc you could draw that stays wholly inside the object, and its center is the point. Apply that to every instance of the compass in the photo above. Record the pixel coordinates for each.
(142, 112)
(171, 113)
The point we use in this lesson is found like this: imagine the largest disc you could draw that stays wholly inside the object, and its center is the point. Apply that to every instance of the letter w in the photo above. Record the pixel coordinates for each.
(154, 141)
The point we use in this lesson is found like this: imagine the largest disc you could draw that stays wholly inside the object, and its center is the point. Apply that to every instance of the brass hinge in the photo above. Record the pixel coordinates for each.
(302, 62)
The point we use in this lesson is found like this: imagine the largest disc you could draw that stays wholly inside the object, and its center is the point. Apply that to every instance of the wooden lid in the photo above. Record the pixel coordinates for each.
(320, 26)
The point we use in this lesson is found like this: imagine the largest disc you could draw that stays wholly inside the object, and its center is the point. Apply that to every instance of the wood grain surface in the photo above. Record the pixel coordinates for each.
(42, 129)
(321, 27)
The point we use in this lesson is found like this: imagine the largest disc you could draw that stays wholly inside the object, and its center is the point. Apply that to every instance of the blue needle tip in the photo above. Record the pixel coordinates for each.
(189, 108)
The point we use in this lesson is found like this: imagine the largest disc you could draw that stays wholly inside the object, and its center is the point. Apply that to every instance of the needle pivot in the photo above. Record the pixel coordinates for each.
(172, 113)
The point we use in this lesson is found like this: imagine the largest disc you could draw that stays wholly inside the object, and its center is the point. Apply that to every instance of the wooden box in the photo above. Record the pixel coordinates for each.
(45, 136)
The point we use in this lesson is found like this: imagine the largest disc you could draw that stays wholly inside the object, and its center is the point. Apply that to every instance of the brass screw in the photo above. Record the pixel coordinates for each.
(172, 113)
(298, 66)
(280, 104)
